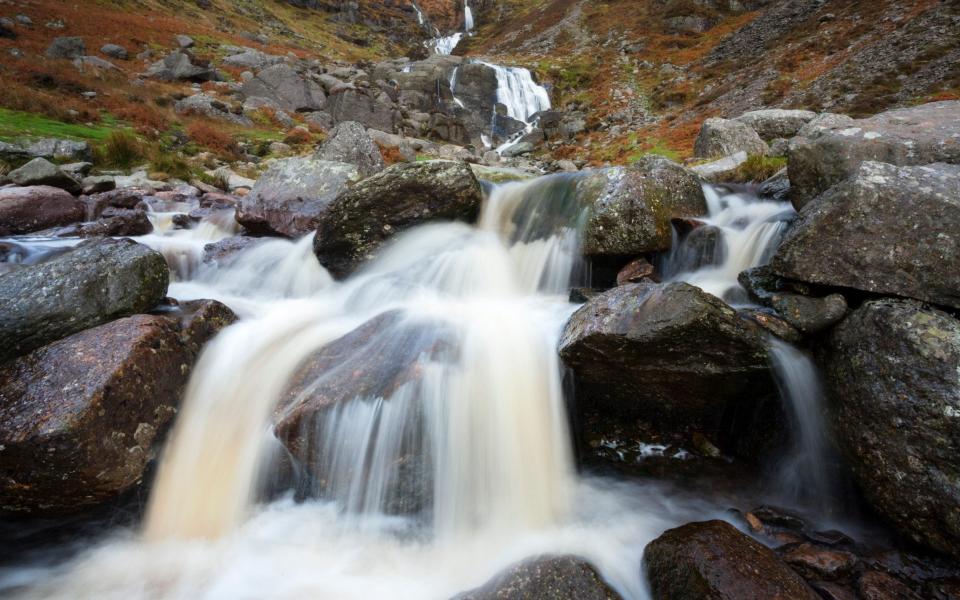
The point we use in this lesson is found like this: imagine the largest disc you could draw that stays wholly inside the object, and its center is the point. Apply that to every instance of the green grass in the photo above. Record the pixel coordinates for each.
(651, 146)
(14, 124)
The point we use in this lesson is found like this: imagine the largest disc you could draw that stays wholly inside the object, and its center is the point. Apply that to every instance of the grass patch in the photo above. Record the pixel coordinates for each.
(120, 149)
(14, 124)
(758, 168)
(650, 145)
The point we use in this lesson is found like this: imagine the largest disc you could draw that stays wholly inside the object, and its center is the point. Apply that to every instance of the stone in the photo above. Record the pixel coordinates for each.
(28, 209)
(546, 577)
(891, 371)
(813, 562)
(292, 194)
(208, 106)
(98, 281)
(886, 230)
(114, 51)
(826, 156)
(224, 251)
(178, 66)
(49, 148)
(97, 183)
(876, 585)
(40, 171)
(776, 188)
(810, 315)
(356, 105)
(251, 58)
(119, 223)
(404, 195)
(721, 169)
(349, 142)
(703, 246)
(711, 559)
(631, 207)
(636, 271)
(184, 41)
(93, 62)
(66, 47)
(773, 123)
(282, 84)
(723, 137)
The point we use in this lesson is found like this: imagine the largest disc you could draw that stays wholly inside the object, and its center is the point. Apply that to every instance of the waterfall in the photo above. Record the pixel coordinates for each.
(517, 90)
(467, 16)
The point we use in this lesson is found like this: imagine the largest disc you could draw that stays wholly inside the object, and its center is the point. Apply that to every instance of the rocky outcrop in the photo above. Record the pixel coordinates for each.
(373, 111)
(631, 207)
(545, 578)
(911, 136)
(97, 282)
(81, 418)
(289, 198)
(723, 137)
(713, 560)
(891, 369)
(350, 143)
(887, 230)
(27, 209)
(40, 171)
(285, 87)
(361, 219)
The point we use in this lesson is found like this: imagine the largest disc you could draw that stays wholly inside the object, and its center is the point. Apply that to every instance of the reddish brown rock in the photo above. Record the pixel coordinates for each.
(875, 585)
(820, 563)
(28, 209)
(636, 271)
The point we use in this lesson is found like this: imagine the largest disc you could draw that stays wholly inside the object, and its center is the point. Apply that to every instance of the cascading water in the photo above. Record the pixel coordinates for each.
(467, 16)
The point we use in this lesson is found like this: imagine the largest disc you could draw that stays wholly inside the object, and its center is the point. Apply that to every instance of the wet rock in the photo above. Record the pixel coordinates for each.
(810, 315)
(98, 183)
(874, 585)
(282, 84)
(773, 323)
(761, 284)
(886, 230)
(712, 559)
(918, 135)
(669, 354)
(97, 282)
(813, 562)
(40, 171)
(833, 591)
(179, 66)
(82, 417)
(891, 369)
(349, 142)
(545, 578)
(225, 250)
(28, 209)
(636, 271)
(777, 188)
(119, 223)
(702, 247)
(723, 137)
(631, 207)
(774, 123)
(66, 47)
(97, 204)
(362, 218)
(289, 198)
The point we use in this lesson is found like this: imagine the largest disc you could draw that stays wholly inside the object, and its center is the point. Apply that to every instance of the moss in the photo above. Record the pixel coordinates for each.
(758, 168)
(14, 124)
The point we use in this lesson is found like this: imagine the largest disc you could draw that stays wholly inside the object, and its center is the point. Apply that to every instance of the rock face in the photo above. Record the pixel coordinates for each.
(723, 137)
(887, 230)
(353, 105)
(284, 86)
(713, 560)
(668, 354)
(290, 196)
(892, 370)
(40, 171)
(349, 143)
(774, 123)
(361, 219)
(81, 418)
(26, 209)
(545, 578)
(97, 282)
(631, 207)
(920, 135)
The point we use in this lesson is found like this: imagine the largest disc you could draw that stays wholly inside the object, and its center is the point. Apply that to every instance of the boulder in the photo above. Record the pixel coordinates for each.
(631, 207)
(225, 250)
(290, 196)
(356, 105)
(636, 271)
(349, 142)
(832, 150)
(27, 209)
(670, 355)
(886, 230)
(545, 578)
(114, 51)
(362, 218)
(712, 560)
(96, 282)
(891, 369)
(776, 188)
(817, 563)
(66, 47)
(40, 171)
(184, 41)
(282, 84)
(721, 169)
(178, 66)
(773, 123)
(810, 315)
(723, 137)
(250, 58)
(208, 106)
(119, 223)
(83, 63)
(82, 417)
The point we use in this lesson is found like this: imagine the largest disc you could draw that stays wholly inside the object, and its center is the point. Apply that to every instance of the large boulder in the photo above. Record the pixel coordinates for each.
(712, 560)
(892, 368)
(375, 112)
(350, 143)
(282, 84)
(545, 578)
(723, 137)
(66, 47)
(631, 207)
(40, 171)
(360, 220)
(203, 105)
(97, 282)
(179, 66)
(887, 230)
(836, 148)
(290, 196)
(670, 355)
(773, 123)
(26, 209)
(81, 418)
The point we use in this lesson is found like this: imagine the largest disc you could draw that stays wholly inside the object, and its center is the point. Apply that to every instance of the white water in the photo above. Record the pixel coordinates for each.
(467, 16)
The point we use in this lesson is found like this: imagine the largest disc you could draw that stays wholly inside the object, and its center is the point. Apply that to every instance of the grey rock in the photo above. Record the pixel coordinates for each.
(253, 59)
(721, 169)
(773, 123)
(96, 282)
(321, 119)
(24, 20)
(885, 230)
(545, 578)
(292, 194)
(93, 62)
(777, 188)
(114, 51)
(29, 209)
(518, 149)
(40, 171)
(290, 90)
(226, 250)
(208, 106)
(723, 137)
(184, 41)
(349, 143)
(98, 183)
(810, 315)
(178, 66)
(356, 105)
(66, 47)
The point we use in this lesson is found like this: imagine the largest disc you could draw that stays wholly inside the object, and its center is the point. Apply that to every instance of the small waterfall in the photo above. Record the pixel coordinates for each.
(517, 90)
(183, 248)
(467, 16)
